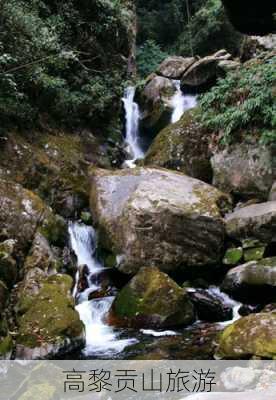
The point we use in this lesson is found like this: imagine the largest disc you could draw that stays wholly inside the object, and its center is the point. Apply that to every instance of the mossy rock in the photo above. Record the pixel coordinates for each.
(254, 335)
(254, 254)
(184, 147)
(6, 346)
(233, 256)
(252, 282)
(48, 318)
(153, 299)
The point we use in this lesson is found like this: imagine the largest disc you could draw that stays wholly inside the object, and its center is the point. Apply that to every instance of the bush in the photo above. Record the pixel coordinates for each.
(149, 56)
(62, 61)
(243, 102)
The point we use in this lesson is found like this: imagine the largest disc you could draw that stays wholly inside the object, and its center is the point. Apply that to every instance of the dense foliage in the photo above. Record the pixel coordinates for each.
(243, 102)
(61, 61)
(149, 51)
(177, 25)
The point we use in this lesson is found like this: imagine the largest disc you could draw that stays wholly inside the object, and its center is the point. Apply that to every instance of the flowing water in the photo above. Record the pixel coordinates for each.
(132, 137)
(181, 103)
(101, 339)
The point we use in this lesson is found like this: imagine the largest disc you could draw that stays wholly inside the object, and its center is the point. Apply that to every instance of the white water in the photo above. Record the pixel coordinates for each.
(152, 332)
(100, 337)
(214, 290)
(181, 103)
(132, 127)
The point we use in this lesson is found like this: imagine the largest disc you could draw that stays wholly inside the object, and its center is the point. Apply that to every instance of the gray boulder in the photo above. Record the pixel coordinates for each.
(174, 67)
(157, 217)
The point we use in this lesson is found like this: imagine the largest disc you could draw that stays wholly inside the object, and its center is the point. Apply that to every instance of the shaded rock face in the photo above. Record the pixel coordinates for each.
(155, 103)
(183, 147)
(209, 307)
(255, 221)
(254, 281)
(251, 17)
(8, 267)
(203, 73)
(55, 166)
(152, 299)
(244, 170)
(174, 67)
(158, 217)
(22, 213)
(254, 335)
(47, 322)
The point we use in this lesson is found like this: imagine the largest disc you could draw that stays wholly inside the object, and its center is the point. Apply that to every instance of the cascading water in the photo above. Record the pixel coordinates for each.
(181, 103)
(101, 339)
(132, 116)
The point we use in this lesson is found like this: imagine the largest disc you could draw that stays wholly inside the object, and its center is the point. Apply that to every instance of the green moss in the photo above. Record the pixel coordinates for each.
(254, 254)
(48, 316)
(254, 335)
(6, 346)
(55, 230)
(233, 256)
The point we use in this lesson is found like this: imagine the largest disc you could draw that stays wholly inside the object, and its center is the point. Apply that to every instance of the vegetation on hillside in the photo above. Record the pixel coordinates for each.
(243, 102)
(61, 61)
(177, 27)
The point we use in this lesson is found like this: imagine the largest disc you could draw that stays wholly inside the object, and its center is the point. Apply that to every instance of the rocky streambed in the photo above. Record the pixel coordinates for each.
(172, 259)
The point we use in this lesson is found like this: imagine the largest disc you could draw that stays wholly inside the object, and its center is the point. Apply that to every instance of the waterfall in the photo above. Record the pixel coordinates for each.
(101, 339)
(132, 126)
(181, 103)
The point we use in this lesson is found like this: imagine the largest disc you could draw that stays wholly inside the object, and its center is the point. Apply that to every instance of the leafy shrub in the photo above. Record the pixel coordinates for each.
(62, 61)
(149, 56)
(243, 102)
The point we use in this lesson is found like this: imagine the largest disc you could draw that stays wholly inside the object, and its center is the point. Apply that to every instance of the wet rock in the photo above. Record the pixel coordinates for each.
(8, 267)
(246, 170)
(83, 283)
(247, 309)
(204, 72)
(272, 194)
(210, 307)
(47, 322)
(22, 213)
(152, 299)
(269, 308)
(174, 67)
(184, 147)
(155, 103)
(253, 222)
(233, 256)
(254, 335)
(253, 282)
(158, 217)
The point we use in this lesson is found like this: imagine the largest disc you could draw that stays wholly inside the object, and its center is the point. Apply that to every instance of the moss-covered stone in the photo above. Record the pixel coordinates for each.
(48, 320)
(153, 299)
(183, 146)
(233, 256)
(254, 335)
(254, 254)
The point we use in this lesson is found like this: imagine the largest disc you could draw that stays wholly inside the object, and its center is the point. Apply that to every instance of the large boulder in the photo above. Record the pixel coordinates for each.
(253, 282)
(254, 221)
(184, 147)
(47, 322)
(246, 170)
(22, 213)
(155, 103)
(204, 72)
(156, 217)
(174, 67)
(254, 335)
(153, 299)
